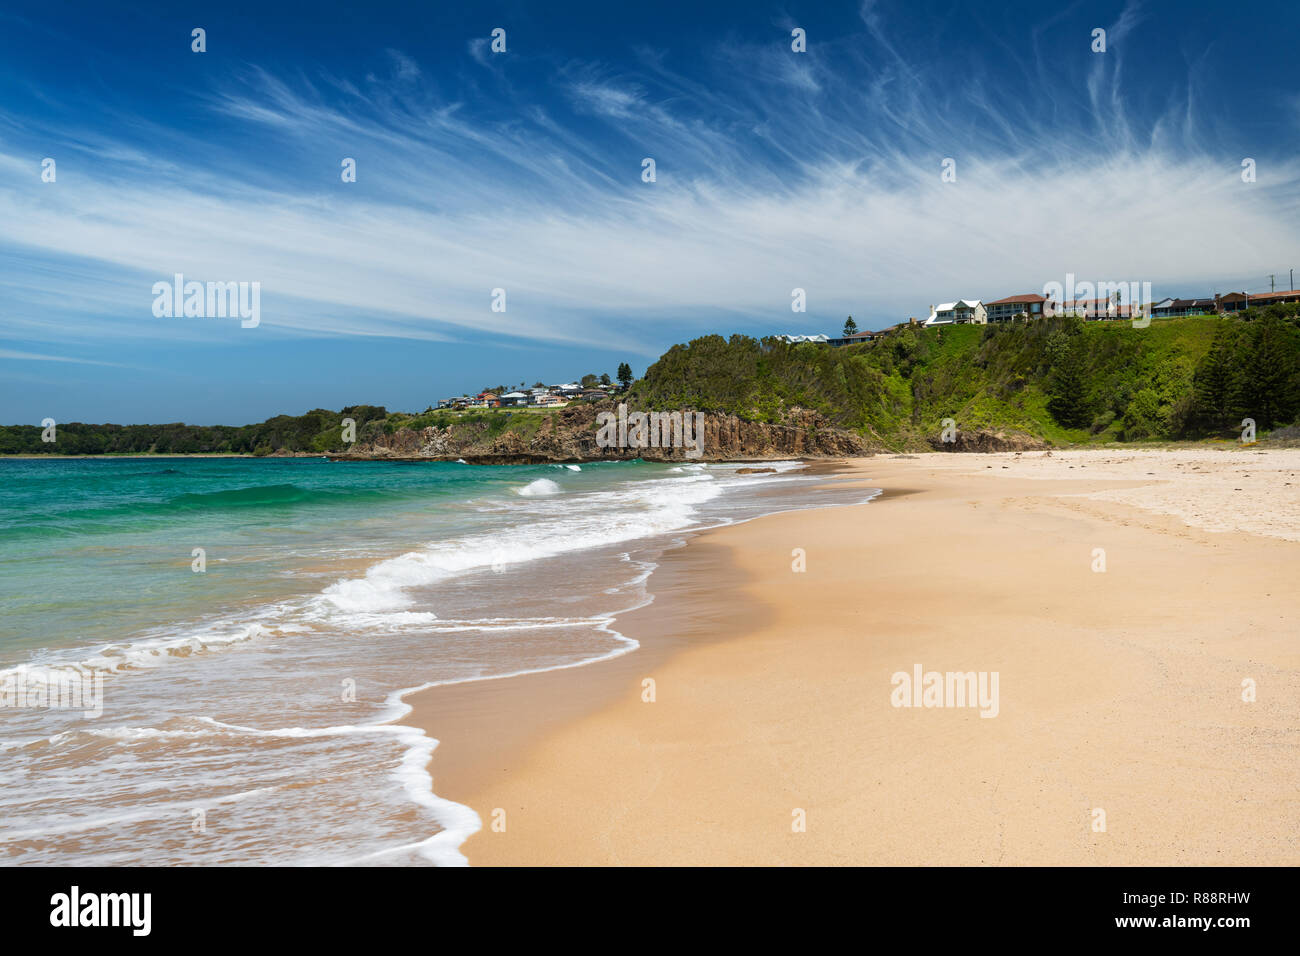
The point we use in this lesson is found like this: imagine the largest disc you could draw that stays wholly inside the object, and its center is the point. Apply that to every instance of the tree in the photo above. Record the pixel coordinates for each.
(850, 327)
(1068, 403)
(1144, 417)
(589, 381)
(604, 378)
(1268, 375)
(624, 374)
(905, 344)
(1215, 384)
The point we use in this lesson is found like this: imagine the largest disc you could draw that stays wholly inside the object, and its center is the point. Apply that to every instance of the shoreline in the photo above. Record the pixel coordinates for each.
(1117, 448)
(565, 693)
(763, 678)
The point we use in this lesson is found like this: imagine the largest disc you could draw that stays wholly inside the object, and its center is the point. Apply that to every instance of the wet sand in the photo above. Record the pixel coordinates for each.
(1120, 692)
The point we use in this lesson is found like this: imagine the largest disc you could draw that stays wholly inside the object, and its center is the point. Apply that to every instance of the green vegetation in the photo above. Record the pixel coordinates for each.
(485, 423)
(319, 430)
(1063, 379)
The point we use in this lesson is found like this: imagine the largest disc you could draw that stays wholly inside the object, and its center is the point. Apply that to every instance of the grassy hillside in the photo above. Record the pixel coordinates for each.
(1064, 380)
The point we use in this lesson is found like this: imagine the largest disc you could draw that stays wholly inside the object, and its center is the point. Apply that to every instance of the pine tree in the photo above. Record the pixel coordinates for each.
(850, 327)
(624, 374)
(1268, 375)
(1069, 399)
(1215, 385)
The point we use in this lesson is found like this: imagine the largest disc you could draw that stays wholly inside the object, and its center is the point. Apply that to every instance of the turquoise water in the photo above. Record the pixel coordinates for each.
(95, 550)
(247, 711)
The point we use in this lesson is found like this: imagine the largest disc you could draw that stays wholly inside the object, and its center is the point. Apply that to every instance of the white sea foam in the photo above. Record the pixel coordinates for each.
(457, 821)
(362, 618)
(585, 522)
(150, 652)
(538, 488)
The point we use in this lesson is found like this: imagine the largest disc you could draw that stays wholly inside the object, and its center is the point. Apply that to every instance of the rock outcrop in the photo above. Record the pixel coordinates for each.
(570, 436)
(985, 440)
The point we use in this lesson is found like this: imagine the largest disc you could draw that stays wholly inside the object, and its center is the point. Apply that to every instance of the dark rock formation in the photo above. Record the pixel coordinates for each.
(570, 436)
(983, 439)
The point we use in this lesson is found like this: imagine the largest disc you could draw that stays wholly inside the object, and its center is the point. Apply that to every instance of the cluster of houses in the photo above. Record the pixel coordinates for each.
(541, 396)
(1021, 308)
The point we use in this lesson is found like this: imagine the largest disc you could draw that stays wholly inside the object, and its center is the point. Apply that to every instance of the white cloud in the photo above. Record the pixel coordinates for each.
(763, 186)
(12, 355)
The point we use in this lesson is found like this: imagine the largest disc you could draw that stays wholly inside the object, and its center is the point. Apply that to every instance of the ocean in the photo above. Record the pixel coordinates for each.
(252, 625)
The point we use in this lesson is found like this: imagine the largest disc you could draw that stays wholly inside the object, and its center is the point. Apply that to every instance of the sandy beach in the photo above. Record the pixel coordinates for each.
(1120, 733)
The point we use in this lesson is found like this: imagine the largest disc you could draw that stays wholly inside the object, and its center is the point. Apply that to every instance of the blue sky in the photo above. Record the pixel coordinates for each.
(522, 170)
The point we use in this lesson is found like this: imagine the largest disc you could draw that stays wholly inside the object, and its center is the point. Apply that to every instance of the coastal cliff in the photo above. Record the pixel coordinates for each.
(1056, 382)
(570, 436)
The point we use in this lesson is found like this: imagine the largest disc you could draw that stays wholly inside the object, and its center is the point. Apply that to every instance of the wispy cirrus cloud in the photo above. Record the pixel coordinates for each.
(17, 356)
(775, 170)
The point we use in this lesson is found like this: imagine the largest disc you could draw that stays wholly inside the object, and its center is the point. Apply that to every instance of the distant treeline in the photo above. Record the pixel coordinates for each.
(319, 430)
(1063, 379)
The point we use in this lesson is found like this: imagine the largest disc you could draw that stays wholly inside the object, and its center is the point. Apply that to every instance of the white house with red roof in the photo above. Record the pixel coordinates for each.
(1014, 307)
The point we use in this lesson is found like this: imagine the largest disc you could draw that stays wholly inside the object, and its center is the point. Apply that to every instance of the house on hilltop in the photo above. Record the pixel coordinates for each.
(793, 339)
(961, 312)
(1190, 307)
(1274, 298)
(855, 339)
(1015, 307)
(1232, 302)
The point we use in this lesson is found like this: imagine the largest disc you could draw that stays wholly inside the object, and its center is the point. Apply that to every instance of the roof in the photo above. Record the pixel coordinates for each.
(963, 303)
(1274, 295)
(514, 395)
(1016, 299)
(803, 338)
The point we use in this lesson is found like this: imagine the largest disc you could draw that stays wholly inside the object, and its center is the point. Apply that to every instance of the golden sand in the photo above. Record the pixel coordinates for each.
(1120, 691)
